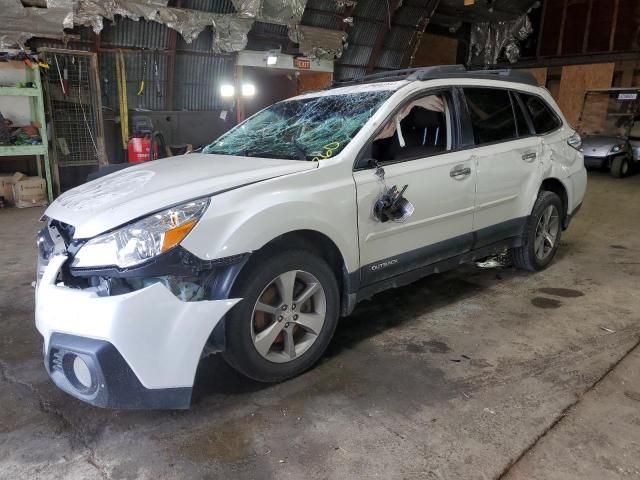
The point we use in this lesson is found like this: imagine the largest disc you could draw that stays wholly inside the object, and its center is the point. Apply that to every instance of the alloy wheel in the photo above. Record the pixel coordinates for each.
(547, 233)
(288, 316)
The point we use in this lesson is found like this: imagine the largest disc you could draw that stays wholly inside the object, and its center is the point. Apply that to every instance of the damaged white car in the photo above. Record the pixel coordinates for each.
(256, 246)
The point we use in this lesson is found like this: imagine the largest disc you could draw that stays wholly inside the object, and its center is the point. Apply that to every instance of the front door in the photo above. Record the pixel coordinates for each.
(440, 185)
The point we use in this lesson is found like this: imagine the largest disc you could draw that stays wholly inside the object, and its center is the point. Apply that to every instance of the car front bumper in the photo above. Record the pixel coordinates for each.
(139, 349)
(596, 162)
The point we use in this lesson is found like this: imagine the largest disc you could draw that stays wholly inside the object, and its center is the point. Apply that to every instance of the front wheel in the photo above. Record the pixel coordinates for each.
(542, 234)
(287, 316)
(620, 166)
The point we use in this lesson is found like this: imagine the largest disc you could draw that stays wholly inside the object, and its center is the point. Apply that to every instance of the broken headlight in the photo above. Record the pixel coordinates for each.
(141, 240)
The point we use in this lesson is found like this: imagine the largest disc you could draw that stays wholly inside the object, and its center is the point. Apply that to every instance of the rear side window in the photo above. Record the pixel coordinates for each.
(491, 115)
(543, 118)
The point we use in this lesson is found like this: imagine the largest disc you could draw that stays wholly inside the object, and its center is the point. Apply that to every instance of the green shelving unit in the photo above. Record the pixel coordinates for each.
(36, 103)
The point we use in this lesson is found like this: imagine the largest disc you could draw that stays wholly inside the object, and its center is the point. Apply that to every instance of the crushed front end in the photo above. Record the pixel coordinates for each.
(129, 337)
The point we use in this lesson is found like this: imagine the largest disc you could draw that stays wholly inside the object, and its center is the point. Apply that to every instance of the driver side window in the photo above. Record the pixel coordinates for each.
(420, 128)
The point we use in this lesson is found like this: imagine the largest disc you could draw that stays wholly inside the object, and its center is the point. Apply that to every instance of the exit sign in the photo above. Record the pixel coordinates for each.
(303, 63)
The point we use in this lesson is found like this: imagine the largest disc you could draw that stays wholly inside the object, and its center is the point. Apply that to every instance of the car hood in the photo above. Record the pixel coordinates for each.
(599, 146)
(120, 197)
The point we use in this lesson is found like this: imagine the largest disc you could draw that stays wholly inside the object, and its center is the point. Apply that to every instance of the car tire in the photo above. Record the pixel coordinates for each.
(527, 256)
(620, 166)
(264, 276)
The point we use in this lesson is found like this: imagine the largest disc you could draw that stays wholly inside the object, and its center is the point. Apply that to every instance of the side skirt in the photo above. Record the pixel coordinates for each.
(438, 267)
(410, 266)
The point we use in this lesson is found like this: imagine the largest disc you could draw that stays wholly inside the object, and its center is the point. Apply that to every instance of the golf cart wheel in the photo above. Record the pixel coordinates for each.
(287, 316)
(541, 236)
(620, 166)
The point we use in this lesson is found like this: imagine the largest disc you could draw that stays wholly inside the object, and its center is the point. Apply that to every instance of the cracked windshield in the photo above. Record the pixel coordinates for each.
(313, 128)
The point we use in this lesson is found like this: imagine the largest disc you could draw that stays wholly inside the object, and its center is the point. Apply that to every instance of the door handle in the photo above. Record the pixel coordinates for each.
(459, 171)
(529, 157)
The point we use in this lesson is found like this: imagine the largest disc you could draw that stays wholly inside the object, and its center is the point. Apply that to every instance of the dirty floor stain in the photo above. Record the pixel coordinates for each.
(543, 302)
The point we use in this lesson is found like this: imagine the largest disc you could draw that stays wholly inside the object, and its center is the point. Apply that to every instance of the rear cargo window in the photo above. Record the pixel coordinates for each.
(544, 120)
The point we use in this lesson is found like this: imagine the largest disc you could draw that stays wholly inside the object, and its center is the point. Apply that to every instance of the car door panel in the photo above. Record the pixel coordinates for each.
(440, 226)
(508, 177)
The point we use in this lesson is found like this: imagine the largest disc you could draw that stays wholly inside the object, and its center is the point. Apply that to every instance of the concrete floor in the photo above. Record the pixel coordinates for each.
(478, 373)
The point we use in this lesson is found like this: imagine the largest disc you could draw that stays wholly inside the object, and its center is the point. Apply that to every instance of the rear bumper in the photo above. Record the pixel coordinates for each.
(147, 341)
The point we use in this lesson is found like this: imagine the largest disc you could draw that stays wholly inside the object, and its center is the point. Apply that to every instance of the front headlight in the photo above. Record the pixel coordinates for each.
(617, 148)
(139, 241)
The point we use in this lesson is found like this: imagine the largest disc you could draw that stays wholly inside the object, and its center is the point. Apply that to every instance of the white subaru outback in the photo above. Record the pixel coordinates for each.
(257, 245)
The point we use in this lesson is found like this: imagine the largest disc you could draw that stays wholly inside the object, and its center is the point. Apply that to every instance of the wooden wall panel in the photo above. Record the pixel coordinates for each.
(436, 50)
(312, 81)
(576, 80)
(540, 74)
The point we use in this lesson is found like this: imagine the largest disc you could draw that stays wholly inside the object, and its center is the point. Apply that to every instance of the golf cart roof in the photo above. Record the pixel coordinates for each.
(614, 90)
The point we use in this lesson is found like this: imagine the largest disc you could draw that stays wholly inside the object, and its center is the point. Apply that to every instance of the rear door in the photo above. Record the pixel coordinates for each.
(507, 162)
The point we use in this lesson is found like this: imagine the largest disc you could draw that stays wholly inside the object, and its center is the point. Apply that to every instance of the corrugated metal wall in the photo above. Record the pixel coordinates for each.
(198, 71)
(368, 18)
(134, 66)
(200, 77)
(124, 32)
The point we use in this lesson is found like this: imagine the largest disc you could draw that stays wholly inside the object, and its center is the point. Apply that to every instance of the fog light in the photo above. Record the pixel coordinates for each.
(82, 372)
(78, 373)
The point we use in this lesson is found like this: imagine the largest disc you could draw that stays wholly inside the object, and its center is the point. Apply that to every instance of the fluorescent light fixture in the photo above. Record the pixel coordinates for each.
(272, 57)
(227, 90)
(248, 89)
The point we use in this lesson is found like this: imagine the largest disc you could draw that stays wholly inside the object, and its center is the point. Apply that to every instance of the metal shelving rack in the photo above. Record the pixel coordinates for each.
(37, 113)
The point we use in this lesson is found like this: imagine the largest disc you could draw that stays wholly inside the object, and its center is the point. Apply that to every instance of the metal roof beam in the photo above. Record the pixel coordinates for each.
(394, 6)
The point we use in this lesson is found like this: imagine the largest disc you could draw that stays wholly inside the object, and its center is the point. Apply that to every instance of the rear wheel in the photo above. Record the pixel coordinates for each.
(287, 316)
(620, 166)
(542, 234)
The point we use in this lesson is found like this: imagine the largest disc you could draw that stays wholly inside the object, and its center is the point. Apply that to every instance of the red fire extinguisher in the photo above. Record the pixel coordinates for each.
(139, 148)
(144, 141)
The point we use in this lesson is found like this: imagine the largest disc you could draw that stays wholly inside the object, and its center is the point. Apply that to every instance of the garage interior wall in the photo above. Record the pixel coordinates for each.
(183, 99)
(540, 75)
(574, 83)
(436, 50)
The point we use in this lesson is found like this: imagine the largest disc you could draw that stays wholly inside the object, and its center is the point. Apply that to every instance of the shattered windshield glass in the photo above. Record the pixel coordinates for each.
(312, 128)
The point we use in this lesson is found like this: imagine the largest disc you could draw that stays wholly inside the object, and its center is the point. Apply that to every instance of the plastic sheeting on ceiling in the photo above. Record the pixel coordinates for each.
(230, 29)
(21, 23)
(490, 40)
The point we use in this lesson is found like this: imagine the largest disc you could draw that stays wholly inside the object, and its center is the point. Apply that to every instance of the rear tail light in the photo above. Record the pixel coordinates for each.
(575, 141)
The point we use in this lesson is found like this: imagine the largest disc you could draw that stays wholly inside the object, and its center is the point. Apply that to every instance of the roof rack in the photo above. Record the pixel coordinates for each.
(439, 72)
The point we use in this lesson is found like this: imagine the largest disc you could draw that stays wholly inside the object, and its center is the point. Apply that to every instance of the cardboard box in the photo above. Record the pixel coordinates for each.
(6, 188)
(30, 192)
